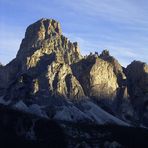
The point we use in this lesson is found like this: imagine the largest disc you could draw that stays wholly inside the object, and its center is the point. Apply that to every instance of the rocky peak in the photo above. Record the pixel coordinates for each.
(43, 38)
(105, 53)
(137, 77)
(96, 76)
(43, 29)
(118, 69)
(37, 32)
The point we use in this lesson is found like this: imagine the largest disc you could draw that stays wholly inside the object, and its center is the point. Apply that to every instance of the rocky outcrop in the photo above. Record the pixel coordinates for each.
(119, 72)
(103, 80)
(97, 77)
(101, 76)
(137, 84)
(137, 78)
(118, 69)
(43, 38)
(42, 82)
(61, 81)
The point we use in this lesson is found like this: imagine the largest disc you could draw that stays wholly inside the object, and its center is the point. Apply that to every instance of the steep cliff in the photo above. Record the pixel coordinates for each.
(43, 38)
(137, 84)
(45, 55)
(97, 77)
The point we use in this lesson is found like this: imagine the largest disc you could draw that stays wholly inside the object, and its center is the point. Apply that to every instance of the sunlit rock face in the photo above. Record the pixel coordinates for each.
(118, 69)
(42, 39)
(97, 77)
(103, 81)
(119, 72)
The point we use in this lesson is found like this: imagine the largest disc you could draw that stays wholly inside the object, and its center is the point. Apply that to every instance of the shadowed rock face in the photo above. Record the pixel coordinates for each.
(137, 84)
(137, 78)
(8, 73)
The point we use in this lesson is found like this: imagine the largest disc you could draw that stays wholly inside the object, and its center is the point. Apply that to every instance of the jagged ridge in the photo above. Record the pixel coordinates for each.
(50, 71)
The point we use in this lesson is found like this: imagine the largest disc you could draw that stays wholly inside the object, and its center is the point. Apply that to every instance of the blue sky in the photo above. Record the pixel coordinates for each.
(121, 26)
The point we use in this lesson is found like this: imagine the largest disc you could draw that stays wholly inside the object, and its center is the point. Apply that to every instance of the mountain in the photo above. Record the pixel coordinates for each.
(49, 79)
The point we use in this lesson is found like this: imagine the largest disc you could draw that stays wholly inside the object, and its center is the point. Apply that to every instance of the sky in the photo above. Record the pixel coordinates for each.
(121, 26)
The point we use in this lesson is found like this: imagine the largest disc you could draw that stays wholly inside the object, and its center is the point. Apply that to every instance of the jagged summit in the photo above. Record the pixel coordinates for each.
(45, 37)
(105, 53)
(43, 28)
(39, 31)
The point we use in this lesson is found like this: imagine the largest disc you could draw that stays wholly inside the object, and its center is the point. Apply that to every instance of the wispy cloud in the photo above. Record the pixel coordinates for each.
(124, 51)
(126, 11)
